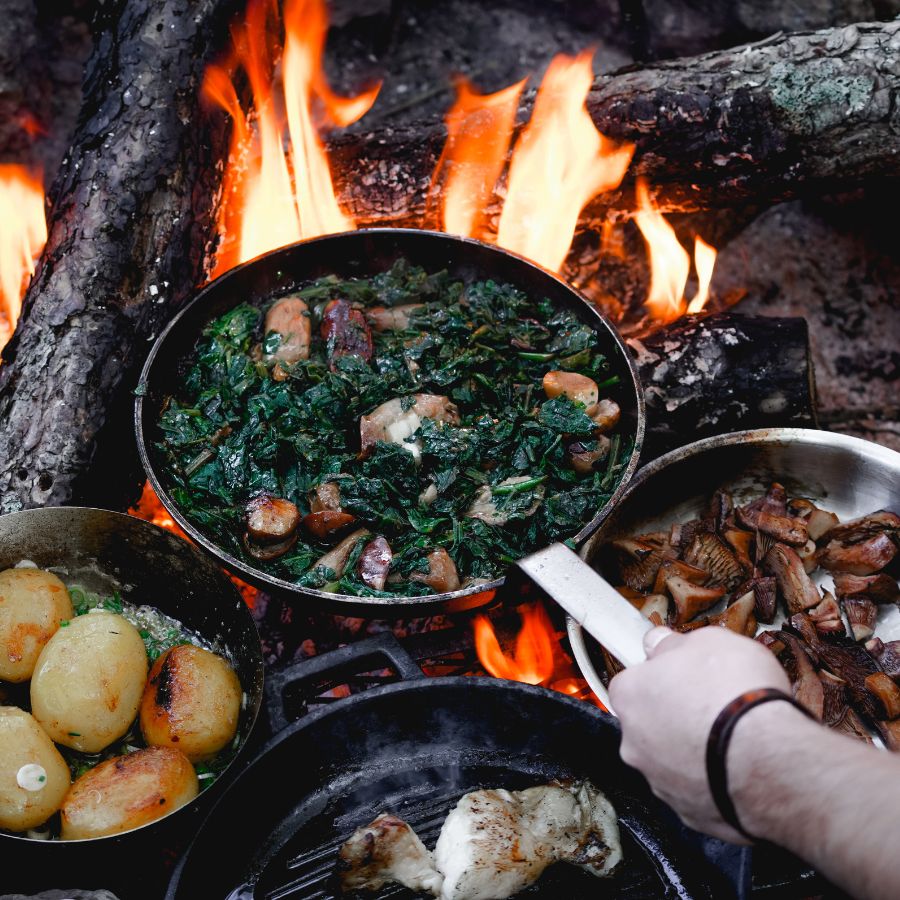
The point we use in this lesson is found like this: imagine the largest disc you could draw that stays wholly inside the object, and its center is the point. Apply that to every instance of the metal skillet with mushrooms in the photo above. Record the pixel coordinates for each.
(399, 435)
(740, 566)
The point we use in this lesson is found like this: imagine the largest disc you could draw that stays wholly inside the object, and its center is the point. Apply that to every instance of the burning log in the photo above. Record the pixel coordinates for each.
(132, 217)
(726, 372)
(792, 113)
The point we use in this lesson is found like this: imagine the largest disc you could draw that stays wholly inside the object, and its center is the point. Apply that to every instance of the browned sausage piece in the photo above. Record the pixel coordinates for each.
(375, 563)
(326, 496)
(271, 519)
(345, 332)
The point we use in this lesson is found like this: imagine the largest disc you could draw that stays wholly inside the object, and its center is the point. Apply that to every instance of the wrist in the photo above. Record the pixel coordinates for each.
(764, 740)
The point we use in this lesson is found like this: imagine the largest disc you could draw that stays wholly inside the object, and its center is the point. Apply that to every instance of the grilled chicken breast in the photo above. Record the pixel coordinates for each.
(496, 843)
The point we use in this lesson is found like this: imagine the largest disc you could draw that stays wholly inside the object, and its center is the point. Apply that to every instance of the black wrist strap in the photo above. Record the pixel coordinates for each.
(717, 748)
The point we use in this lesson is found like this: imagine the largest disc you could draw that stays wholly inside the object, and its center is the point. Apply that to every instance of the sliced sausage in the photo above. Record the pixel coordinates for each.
(345, 332)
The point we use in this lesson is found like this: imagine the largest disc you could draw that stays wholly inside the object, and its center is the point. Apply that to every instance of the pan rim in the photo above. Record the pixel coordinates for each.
(349, 601)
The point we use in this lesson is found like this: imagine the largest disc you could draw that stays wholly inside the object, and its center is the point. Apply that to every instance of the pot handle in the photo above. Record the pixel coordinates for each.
(589, 599)
(381, 651)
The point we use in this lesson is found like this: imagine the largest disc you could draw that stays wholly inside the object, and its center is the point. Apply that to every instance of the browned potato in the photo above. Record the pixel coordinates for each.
(34, 777)
(126, 792)
(88, 681)
(192, 702)
(32, 604)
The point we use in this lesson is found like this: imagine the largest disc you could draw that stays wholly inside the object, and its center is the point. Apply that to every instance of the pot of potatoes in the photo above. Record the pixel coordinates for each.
(130, 675)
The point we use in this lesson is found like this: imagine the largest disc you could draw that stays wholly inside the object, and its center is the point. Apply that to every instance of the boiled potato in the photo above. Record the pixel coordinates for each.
(88, 681)
(34, 777)
(126, 792)
(32, 604)
(192, 702)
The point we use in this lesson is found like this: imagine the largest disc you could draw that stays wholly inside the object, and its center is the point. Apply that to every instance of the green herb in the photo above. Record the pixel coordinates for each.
(485, 346)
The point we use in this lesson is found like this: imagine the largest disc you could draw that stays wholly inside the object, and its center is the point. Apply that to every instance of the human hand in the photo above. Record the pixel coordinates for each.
(667, 707)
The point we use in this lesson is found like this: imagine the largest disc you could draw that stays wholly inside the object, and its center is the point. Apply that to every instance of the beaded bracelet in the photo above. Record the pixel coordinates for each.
(717, 748)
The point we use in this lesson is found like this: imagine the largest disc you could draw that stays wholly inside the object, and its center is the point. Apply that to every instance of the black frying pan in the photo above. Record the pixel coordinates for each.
(413, 748)
(107, 551)
(360, 254)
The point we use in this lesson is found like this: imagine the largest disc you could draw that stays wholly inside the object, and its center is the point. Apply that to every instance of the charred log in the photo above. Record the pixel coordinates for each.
(132, 217)
(726, 372)
(790, 114)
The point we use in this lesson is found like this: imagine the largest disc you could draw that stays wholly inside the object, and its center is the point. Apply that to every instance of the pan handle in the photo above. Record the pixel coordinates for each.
(591, 600)
(381, 651)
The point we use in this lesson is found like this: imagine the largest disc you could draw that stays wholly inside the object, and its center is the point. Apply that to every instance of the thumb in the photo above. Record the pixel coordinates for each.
(655, 638)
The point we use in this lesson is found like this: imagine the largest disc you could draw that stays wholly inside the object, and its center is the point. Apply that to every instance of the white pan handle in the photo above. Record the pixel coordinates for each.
(589, 599)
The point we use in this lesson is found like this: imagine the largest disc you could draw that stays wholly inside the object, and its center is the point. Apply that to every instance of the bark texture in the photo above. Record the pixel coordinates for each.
(132, 217)
(789, 115)
(726, 372)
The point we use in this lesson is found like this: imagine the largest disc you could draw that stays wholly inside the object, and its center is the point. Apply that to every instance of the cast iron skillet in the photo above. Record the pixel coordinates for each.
(360, 254)
(413, 748)
(106, 551)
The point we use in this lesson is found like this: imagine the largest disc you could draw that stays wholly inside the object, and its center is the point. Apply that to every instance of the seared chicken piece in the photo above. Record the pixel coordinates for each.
(386, 851)
(497, 842)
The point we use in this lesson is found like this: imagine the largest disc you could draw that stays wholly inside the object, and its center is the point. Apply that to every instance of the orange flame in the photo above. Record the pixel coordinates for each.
(272, 197)
(23, 233)
(532, 661)
(560, 162)
(670, 264)
(151, 509)
(479, 129)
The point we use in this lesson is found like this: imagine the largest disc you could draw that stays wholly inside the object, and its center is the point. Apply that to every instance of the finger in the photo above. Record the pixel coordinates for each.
(655, 638)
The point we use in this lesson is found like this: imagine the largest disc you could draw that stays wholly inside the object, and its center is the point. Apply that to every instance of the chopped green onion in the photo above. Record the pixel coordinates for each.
(519, 486)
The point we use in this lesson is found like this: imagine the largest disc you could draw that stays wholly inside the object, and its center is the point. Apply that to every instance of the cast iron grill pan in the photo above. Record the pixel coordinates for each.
(413, 748)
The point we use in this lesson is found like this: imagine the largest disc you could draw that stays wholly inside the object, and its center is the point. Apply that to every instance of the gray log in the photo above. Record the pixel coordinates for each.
(132, 217)
(793, 114)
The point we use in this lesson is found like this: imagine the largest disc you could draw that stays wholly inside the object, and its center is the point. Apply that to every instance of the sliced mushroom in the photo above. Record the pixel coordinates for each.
(397, 420)
(836, 702)
(827, 616)
(764, 596)
(631, 594)
(803, 625)
(708, 552)
(656, 608)
(795, 585)
(605, 415)
(326, 496)
(577, 388)
(864, 558)
(429, 495)
(691, 599)
(326, 522)
(670, 567)
(336, 558)
(782, 528)
(887, 692)
(585, 455)
(888, 656)
(442, 575)
(807, 554)
(818, 521)
(345, 332)
(289, 317)
(853, 663)
(772, 640)
(374, 563)
(721, 509)
(484, 504)
(878, 588)
(865, 527)
(640, 558)
(808, 690)
(392, 318)
(853, 726)
(861, 614)
(271, 519)
(740, 542)
(738, 617)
